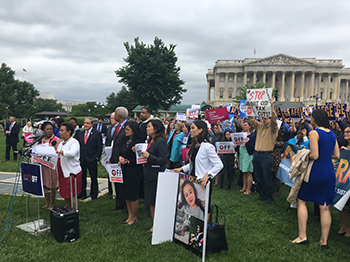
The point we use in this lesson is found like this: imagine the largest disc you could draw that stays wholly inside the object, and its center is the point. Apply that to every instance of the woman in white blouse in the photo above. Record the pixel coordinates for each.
(68, 162)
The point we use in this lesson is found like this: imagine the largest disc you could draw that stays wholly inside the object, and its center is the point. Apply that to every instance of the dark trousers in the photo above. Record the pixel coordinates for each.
(262, 163)
(228, 160)
(120, 196)
(8, 149)
(92, 167)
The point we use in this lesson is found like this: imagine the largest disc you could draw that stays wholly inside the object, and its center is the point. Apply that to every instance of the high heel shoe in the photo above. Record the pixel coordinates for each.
(127, 224)
(325, 246)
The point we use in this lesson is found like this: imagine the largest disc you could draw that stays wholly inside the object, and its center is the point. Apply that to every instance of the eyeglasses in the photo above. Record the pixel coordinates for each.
(346, 132)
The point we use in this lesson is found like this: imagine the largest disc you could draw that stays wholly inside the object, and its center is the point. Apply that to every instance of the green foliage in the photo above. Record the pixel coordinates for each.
(18, 96)
(89, 109)
(124, 98)
(241, 94)
(41, 104)
(151, 74)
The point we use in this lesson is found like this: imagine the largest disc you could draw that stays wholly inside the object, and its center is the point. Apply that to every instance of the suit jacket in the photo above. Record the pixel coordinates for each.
(157, 160)
(206, 161)
(110, 136)
(91, 151)
(104, 128)
(12, 138)
(119, 141)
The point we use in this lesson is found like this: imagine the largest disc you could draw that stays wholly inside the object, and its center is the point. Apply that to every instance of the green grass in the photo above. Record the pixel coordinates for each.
(255, 232)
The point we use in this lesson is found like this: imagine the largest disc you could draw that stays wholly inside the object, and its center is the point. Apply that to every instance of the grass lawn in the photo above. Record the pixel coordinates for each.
(255, 232)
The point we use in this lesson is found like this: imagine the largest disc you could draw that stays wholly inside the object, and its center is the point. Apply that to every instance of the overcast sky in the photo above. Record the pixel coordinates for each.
(71, 48)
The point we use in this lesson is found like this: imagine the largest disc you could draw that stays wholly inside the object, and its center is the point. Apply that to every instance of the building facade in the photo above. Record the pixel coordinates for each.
(296, 79)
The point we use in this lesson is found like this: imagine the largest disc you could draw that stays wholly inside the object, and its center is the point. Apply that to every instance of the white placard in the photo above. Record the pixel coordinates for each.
(115, 173)
(180, 117)
(239, 138)
(258, 102)
(140, 158)
(225, 147)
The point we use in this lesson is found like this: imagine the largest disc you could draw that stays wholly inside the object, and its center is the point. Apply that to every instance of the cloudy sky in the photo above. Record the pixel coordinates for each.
(72, 48)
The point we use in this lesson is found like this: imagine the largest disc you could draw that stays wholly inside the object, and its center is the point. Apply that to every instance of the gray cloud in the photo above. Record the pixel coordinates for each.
(72, 48)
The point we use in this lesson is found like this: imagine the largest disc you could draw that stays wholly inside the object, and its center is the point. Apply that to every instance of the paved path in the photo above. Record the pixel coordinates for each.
(8, 181)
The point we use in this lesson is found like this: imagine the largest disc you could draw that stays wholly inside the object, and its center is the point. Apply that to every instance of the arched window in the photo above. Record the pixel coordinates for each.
(221, 92)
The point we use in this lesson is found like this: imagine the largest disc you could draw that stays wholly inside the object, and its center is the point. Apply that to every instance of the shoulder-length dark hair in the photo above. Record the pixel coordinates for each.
(135, 129)
(321, 118)
(159, 130)
(223, 138)
(197, 201)
(202, 137)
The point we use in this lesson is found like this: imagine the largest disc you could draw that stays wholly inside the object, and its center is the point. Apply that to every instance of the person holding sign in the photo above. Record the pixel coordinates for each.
(246, 153)
(263, 160)
(131, 171)
(204, 161)
(321, 186)
(68, 162)
(228, 161)
(50, 179)
(156, 155)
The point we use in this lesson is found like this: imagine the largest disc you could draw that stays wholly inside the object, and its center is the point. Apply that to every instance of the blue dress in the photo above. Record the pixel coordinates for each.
(321, 185)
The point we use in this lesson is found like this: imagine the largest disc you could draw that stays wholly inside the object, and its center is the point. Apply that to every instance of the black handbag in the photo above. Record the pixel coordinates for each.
(216, 236)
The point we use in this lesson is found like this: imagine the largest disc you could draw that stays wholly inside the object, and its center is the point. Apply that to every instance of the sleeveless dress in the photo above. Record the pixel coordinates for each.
(321, 185)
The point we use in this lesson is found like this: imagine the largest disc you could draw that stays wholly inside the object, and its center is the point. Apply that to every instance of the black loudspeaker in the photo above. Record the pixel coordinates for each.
(64, 224)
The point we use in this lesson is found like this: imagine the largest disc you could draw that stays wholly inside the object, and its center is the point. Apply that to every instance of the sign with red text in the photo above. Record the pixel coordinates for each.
(225, 147)
(258, 102)
(140, 158)
(215, 115)
(192, 113)
(115, 173)
(239, 138)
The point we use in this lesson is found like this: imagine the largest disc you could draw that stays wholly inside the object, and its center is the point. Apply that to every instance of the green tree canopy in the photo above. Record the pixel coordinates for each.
(18, 96)
(123, 98)
(41, 104)
(151, 74)
(89, 109)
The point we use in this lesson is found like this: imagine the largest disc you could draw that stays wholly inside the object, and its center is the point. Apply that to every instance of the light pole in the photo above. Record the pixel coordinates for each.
(89, 111)
(316, 97)
(99, 105)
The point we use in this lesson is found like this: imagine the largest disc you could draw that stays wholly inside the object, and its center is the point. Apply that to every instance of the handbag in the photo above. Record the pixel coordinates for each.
(216, 236)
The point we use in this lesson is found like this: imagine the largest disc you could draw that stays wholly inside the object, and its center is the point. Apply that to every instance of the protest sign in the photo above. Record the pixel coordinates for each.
(242, 109)
(32, 179)
(180, 117)
(225, 125)
(184, 153)
(115, 173)
(45, 155)
(225, 147)
(342, 183)
(286, 162)
(192, 112)
(215, 115)
(239, 138)
(258, 102)
(140, 158)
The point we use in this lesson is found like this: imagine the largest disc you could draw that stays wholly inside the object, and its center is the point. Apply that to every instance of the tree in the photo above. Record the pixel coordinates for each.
(123, 98)
(41, 104)
(17, 95)
(151, 74)
(89, 109)
(243, 90)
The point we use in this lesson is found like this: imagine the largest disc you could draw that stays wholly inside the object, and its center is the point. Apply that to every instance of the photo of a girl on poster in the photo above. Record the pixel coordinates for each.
(189, 201)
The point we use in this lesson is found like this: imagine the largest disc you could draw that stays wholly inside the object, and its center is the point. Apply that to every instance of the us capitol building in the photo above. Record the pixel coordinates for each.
(296, 79)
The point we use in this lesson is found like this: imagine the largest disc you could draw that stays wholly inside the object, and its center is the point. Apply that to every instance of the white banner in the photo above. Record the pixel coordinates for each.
(239, 138)
(115, 173)
(225, 147)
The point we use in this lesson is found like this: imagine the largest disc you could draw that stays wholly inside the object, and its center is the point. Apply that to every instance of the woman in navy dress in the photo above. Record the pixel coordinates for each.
(321, 185)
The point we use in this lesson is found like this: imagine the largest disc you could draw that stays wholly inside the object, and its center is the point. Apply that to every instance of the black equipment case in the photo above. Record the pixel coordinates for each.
(65, 220)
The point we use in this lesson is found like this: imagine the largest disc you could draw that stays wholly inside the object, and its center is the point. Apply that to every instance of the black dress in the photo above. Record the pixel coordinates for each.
(132, 173)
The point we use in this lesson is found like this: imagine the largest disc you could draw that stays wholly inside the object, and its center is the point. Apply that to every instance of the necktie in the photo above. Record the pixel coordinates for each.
(86, 137)
(116, 133)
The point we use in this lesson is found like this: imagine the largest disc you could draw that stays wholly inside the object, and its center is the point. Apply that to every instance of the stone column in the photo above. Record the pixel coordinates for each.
(346, 91)
(226, 87)
(291, 93)
(273, 79)
(337, 88)
(301, 94)
(217, 86)
(329, 87)
(312, 84)
(282, 98)
(254, 77)
(235, 85)
(319, 84)
(264, 77)
(208, 91)
(245, 78)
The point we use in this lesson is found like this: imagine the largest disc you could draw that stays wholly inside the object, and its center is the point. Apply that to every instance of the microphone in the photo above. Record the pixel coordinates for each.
(36, 141)
(53, 143)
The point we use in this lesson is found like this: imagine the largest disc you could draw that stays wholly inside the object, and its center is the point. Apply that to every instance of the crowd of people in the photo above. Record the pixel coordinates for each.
(191, 148)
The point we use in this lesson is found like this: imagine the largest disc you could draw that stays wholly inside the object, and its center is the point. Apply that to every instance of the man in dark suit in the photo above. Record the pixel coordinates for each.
(109, 139)
(90, 152)
(11, 133)
(5, 125)
(121, 114)
(145, 115)
(100, 126)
